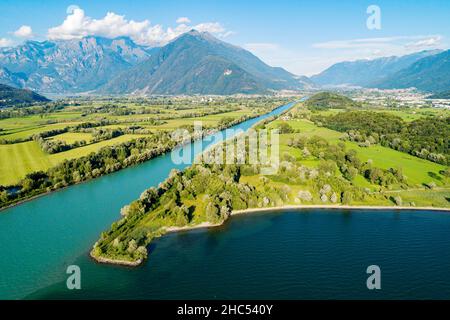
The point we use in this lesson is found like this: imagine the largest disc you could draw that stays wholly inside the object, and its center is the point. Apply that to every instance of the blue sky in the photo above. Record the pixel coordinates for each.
(302, 36)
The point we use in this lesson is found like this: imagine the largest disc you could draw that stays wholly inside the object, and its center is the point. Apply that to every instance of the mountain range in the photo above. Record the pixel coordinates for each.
(195, 62)
(68, 66)
(425, 70)
(198, 63)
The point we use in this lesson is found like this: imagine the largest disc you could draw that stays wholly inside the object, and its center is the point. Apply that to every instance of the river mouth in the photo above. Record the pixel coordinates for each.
(42, 237)
(306, 254)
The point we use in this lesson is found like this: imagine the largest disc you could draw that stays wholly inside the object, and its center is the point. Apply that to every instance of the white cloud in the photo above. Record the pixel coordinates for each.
(332, 52)
(183, 20)
(426, 43)
(5, 42)
(77, 25)
(318, 57)
(70, 9)
(368, 43)
(24, 32)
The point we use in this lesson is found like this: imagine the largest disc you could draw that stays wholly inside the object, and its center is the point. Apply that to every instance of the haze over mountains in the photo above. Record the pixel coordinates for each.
(425, 70)
(196, 63)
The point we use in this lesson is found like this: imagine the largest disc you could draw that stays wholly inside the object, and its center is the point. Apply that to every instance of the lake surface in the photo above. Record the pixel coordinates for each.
(40, 238)
(308, 254)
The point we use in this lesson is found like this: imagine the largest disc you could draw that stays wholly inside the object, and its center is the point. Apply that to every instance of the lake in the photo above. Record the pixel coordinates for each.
(308, 254)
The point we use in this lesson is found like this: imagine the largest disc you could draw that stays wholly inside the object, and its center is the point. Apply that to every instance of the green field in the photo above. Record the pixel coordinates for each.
(19, 159)
(417, 170)
(16, 160)
(71, 137)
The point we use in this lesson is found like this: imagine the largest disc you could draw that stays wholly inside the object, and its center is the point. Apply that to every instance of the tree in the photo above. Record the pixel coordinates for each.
(347, 197)
(397, 200)
(212, 212)
(132, 246)
(285, 128)
(333, 197)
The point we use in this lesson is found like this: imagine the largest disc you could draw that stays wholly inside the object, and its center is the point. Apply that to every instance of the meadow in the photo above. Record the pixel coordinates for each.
(418, 171)
(20, 155)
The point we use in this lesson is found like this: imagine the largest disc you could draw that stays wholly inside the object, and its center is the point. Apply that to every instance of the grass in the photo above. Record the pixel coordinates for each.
(207, 121)
(26, 132)
(417, 170)
(19, 159)
(16, 160)
(71, 137)
(412, 114)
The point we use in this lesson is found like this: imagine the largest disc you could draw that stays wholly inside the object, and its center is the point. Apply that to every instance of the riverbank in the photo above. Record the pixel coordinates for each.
(212, 131)
(206, 225)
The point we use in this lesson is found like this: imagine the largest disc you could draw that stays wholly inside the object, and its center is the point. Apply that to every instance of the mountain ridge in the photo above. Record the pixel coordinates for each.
(69, 66)
(115, 66)
(198, 63)
(366, 72)
(10, 96)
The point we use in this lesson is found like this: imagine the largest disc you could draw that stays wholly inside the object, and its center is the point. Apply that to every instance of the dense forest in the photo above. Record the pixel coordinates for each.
(330, 100)
(10, 96)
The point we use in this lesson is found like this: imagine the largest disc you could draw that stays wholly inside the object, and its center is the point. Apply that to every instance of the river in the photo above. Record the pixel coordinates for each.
(40, 238)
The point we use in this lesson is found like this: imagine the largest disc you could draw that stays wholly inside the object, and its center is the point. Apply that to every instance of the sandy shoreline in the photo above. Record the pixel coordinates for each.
(205, 225)
(202, 225)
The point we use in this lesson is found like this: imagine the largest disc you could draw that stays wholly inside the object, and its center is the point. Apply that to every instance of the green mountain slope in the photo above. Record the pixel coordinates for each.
(198, 63)
(10, 96)
(366, 72)
(428, 74)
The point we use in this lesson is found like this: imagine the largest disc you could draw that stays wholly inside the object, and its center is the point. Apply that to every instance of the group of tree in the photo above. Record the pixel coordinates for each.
(336, 156)
(329, 100)
(106, 160)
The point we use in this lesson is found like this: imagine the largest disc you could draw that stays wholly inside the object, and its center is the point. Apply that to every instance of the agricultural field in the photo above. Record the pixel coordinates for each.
(21, 151)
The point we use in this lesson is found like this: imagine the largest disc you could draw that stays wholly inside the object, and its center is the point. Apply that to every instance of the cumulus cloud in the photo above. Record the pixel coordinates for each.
(77, 25)
(24, 32)
(5, 42)
(184, 20)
